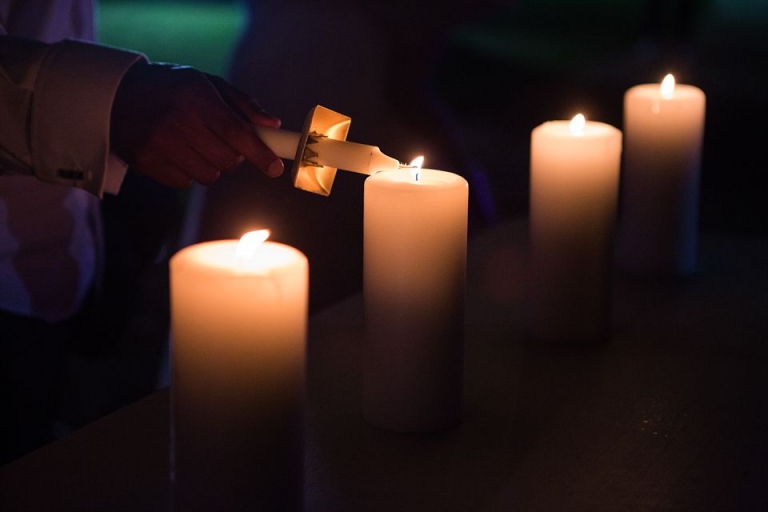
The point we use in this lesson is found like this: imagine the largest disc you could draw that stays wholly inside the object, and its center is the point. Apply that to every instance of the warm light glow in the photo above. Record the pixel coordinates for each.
(248, 245)
(668, 86)
(577, 124)
(415, 166)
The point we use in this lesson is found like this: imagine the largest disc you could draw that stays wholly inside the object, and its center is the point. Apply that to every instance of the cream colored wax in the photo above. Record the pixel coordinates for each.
(415, 237)
(238, 371)
(658, 217)
(573, 196)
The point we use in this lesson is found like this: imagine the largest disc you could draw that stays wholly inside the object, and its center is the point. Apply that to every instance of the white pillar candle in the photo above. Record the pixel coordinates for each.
(573, 196)
(415, 238)
(659, 205)
(239, 324)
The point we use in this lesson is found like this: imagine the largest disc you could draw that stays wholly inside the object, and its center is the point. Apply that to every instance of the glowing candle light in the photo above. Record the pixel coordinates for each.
(239, 312)
(667, 88)
(415, 236)
(415, 166)
(577, 124)
(658, 218)
(574, 189)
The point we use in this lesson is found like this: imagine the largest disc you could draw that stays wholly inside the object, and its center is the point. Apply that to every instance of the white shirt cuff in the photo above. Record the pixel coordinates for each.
(71, 110)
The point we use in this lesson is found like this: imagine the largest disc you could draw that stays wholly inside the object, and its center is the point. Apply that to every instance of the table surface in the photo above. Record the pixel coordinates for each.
(671, 414)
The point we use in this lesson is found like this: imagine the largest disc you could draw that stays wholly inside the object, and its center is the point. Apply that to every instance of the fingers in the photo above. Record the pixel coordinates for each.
(250, 111)
(177, 125)
(231, 119)
(242, 103)
(242, 138)
(205, 143)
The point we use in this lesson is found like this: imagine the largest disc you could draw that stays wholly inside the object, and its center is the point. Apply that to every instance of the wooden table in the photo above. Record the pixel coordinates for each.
(671, 414)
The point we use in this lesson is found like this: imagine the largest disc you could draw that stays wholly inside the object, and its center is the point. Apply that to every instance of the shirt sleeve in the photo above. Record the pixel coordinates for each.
(55, 101)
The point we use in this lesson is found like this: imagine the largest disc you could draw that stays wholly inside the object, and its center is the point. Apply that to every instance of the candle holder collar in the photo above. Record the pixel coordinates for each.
(306, 173)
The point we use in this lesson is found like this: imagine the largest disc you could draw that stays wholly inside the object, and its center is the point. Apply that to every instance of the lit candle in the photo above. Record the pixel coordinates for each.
(415, 238)
(658, 216)
(573, 195)
(350, 156)
(239, 315)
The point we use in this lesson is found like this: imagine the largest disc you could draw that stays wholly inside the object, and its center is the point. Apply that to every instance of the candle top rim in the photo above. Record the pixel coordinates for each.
(218, 256)
(681, 91)
(591, 129)
(434, 178)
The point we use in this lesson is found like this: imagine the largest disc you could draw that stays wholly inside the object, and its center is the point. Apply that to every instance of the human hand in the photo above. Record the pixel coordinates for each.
(177, 125)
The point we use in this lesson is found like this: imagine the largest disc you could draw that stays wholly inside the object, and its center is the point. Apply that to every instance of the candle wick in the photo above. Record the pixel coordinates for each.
(414, 167)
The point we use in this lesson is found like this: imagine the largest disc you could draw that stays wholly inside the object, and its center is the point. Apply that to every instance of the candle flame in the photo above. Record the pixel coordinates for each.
(577, 124)
(668, 86)
(415, 166)
(248, 245)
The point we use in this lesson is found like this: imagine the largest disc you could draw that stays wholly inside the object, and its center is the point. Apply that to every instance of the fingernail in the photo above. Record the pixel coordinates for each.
(275, 168)
(265, 117)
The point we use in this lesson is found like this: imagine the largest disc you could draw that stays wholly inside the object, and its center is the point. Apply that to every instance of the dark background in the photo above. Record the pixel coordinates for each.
(512, 65)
